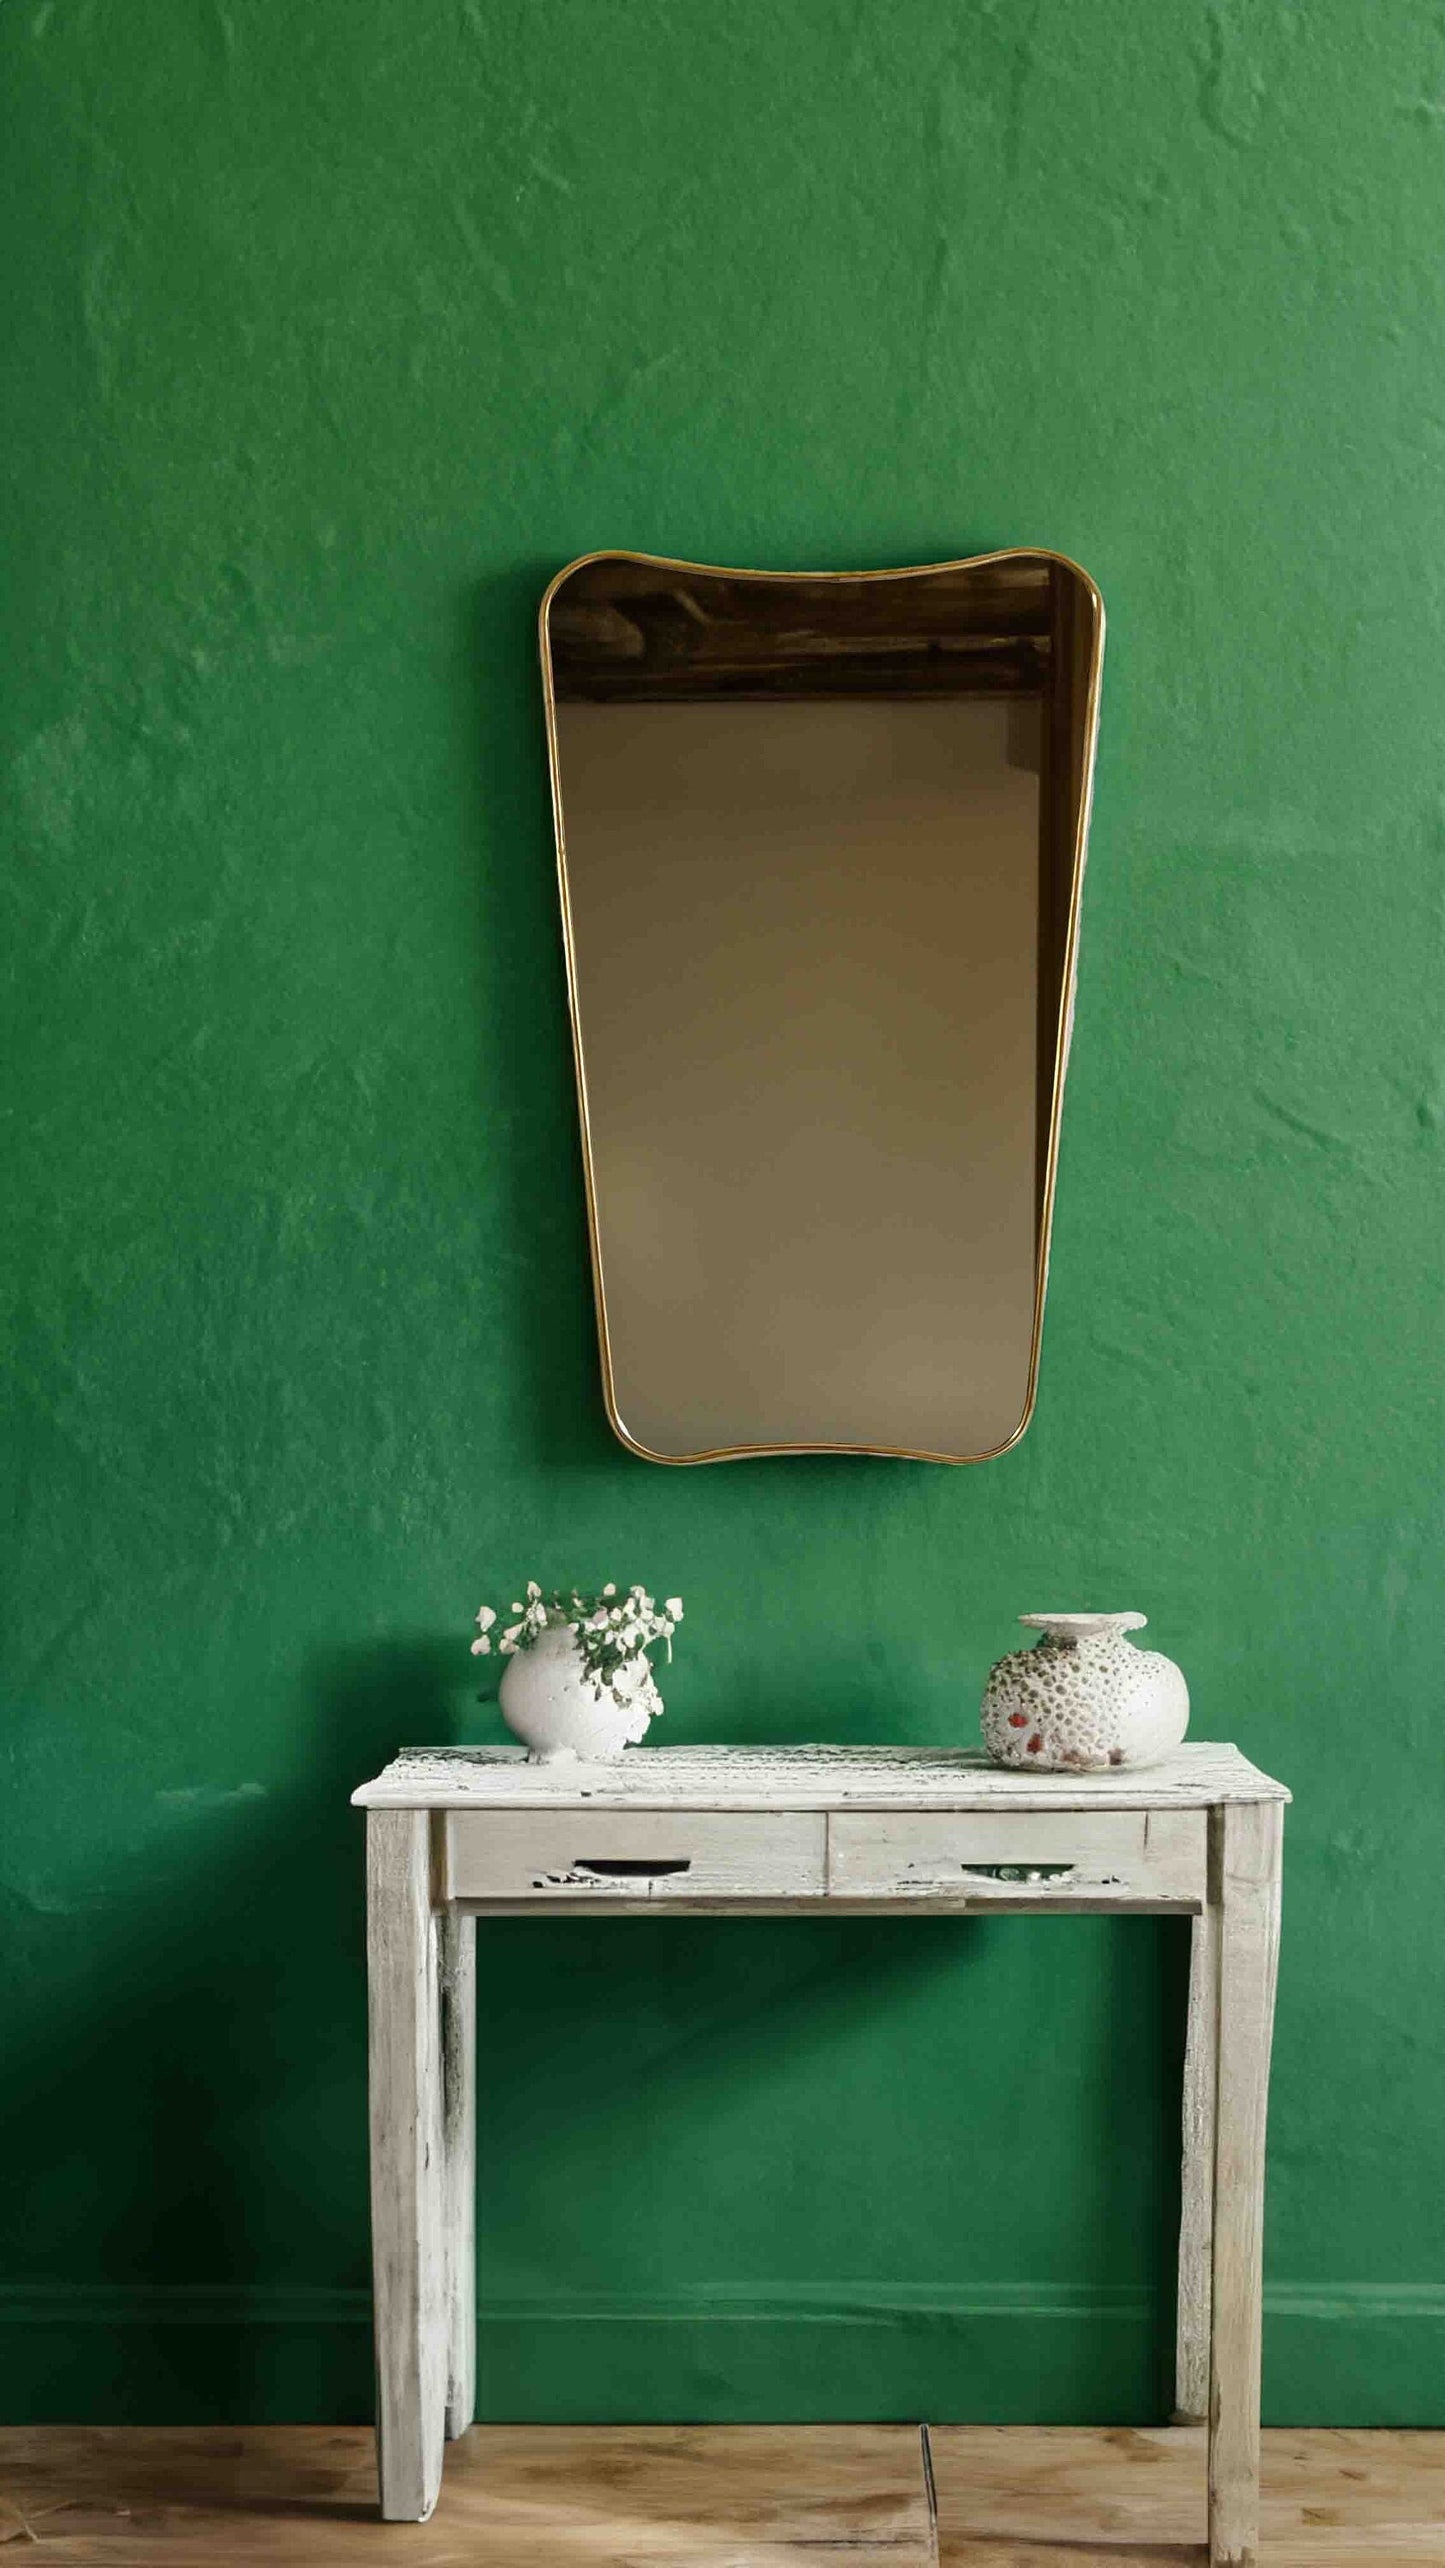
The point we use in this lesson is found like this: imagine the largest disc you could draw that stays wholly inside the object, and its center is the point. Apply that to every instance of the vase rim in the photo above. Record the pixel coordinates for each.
(1083, 1626)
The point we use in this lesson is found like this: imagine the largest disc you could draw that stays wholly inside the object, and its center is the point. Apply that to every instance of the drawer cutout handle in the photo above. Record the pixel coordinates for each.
(631, 1867)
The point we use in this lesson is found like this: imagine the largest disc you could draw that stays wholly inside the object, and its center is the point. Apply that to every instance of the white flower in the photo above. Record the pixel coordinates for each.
(614, 1629)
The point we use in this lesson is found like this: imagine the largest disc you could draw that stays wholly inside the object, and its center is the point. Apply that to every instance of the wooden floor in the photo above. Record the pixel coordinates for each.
(889, 2496)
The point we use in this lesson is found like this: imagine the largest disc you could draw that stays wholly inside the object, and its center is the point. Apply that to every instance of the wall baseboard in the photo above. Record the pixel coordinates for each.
(1336, 2353)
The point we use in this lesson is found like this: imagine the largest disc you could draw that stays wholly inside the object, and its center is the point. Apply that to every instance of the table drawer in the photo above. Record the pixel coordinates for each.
(634, 1854)
(1106, 1858)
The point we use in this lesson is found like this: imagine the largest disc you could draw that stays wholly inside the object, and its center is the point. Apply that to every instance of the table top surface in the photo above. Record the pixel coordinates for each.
(1197, 1776)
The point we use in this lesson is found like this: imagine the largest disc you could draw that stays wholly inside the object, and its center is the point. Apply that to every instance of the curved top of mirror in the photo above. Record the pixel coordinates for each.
(820, 844)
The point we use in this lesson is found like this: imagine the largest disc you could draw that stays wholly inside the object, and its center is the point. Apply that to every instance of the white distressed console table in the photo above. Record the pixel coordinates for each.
(457, 1834)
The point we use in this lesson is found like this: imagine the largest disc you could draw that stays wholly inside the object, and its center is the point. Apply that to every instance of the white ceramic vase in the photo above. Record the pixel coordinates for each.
(1083, 1697)
(557, 1711)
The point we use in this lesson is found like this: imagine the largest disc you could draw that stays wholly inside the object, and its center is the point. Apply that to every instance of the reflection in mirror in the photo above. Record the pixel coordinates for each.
(821, 839)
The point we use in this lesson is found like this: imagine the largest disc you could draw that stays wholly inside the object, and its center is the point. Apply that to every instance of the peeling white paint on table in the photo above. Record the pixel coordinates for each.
(454, 1834)
(1197, 1776)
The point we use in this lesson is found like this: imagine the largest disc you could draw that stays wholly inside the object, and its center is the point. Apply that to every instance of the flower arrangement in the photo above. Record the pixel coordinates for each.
(612, 1632)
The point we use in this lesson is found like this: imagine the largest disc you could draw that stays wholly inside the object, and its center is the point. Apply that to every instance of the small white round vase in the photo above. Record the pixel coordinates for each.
(1083, 1698)
(551, 1703)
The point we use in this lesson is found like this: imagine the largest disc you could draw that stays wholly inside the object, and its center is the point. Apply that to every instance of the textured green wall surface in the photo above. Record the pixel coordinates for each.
(331, 332)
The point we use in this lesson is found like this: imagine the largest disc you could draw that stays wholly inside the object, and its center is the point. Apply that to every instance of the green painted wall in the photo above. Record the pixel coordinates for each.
(332, 331)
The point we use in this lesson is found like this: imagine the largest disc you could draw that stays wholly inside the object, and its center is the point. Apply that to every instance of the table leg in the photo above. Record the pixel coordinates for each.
(1245, 1880)
(459, 2123)
(1196, 2216)
(407, 2240)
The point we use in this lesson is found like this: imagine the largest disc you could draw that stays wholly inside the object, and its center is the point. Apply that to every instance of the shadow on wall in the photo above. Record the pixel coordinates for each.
(541, 1278)
(209, 1985)
(657, 2196)
(203, 1971)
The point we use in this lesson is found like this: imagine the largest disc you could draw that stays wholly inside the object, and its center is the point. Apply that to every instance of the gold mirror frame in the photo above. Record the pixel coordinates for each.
(1072, 648)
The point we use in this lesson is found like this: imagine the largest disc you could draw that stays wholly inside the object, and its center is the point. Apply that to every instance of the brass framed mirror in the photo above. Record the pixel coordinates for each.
(820, 845)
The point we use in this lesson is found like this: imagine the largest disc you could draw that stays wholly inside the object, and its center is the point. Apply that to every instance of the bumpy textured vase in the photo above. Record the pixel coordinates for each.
(550, 1701)
(1083, 1697)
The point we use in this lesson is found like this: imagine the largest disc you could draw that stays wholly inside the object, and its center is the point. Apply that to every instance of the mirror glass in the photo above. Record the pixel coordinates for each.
(820, 839)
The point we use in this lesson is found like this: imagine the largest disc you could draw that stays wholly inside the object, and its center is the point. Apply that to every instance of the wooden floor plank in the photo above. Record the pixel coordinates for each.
(714, 2494)
(512, 2497)
(1327, 2494)
(1061, 2497)
(1020, 2494)
(706, 2497)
